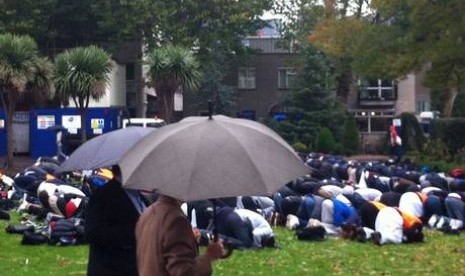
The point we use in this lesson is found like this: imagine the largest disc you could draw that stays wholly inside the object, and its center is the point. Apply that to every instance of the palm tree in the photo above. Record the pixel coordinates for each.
(21, 69)
(39, 88)
(80, 74)
(171, 68)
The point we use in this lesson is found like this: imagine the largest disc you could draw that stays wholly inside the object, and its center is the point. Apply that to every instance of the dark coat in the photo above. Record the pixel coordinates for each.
(230, 224)
(110, 229)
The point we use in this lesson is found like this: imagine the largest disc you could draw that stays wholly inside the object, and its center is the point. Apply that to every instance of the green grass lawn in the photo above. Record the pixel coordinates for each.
(439, 255)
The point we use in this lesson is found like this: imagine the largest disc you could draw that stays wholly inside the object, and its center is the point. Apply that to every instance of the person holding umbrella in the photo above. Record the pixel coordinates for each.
(200, 158)
(111, 216)
(166, 244)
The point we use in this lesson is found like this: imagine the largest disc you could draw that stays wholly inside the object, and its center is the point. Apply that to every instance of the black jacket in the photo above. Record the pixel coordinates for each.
(110, 229)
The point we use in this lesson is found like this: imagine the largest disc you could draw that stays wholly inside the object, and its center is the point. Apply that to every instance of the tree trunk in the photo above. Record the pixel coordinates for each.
(10, 143)
(9, 131)
(449, 105)
(83, 113)
(168, 99)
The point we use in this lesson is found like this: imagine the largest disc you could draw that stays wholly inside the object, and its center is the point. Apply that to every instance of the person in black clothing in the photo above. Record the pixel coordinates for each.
(111, 216)
(230, 224)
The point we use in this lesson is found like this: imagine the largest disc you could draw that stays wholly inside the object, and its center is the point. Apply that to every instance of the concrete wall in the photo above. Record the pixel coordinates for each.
(406, 95)
(373, 142)
(410, 91)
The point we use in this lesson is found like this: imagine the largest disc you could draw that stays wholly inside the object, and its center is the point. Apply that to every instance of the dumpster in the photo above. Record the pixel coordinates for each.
(45, 124)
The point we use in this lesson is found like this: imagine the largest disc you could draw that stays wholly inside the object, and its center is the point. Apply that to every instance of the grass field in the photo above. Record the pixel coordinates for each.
(439, 255)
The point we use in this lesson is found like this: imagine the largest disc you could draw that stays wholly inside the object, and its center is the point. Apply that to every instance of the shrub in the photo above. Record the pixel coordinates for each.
(350, 140)
(436, 149)
(325, 141)
(300, 147)
(451, 131)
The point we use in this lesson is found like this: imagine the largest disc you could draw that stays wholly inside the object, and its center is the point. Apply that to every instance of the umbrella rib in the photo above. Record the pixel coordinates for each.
(233, 134)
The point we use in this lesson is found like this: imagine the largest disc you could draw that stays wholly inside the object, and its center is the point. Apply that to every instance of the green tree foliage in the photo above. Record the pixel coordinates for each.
(214, 68)
(435, 37)
(401, 37)
(350, 140)
(325, 142)
(25, 17)
(82, 73)
(21, 69)
(450, 131)
(172, 68)
(60, 24)
(204, 23)
(439, 98)
(214, 28)
(314, 98)
(38, 91)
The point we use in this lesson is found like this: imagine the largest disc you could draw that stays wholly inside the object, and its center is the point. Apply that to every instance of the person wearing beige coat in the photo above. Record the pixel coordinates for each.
(166, 244)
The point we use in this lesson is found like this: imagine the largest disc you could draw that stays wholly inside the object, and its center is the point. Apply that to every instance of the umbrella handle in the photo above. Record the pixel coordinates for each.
(229, 251)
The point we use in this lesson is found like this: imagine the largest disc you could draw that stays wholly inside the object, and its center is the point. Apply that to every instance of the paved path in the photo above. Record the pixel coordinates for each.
(20, 163)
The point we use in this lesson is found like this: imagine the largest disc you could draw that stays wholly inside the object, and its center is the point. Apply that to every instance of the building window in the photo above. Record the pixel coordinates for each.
(377, 89)
(286, 78)
(423, 106)
(247, 78)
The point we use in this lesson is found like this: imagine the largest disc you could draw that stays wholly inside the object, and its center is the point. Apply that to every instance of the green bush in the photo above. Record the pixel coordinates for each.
(325, 141)
(451, 131)
(300, 147)
(350, 140)
(436, 149)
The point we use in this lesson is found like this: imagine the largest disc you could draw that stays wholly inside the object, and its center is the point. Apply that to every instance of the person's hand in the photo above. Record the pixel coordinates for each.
(215, 250)
(197, 234)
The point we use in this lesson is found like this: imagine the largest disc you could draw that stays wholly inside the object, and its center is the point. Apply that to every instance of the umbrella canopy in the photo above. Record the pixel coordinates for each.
(104, 150)
(200, 158)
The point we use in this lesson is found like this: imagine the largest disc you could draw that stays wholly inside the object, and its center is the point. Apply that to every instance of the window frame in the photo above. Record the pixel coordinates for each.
(288, 71)
(247, 78)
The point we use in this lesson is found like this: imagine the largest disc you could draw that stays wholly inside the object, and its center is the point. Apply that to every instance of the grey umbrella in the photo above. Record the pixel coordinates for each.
(104, 150)
(201, 158)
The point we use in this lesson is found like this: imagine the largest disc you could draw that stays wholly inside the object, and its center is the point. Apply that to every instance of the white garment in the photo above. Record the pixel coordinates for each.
(52, 202)
(66, 189)
(389, 223)
(352, 176)
(344, 200)
(331, 229)
(239, 204)
(261, 227)
(386, 180)
(456, 224)
(410, 202)
(7, 180)
(263, 201)
(362, 182)
(193, 214)
(327, 211)
(348, 190)
(52, 188)
(369, 194)
(333, 190)
(428, 190)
